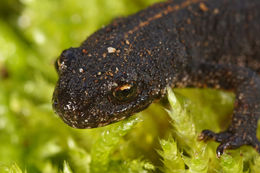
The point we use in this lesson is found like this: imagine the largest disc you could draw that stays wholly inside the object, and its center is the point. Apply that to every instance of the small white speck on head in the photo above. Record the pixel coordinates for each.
(70, 106)
(99, 73)
(110, 85)
(111, 50)
(63, 66)
(81, 70)
(114, 84)
(67, 107)
(116, 70)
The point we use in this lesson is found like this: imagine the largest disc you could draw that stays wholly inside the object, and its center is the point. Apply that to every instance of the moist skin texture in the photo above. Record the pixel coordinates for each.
(122, 68)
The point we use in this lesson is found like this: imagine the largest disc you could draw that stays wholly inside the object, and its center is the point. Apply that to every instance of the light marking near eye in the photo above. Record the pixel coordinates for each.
(126, 86)
(125, 92)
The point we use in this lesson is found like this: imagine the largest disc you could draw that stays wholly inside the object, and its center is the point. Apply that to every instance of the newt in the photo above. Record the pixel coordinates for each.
(123, 67)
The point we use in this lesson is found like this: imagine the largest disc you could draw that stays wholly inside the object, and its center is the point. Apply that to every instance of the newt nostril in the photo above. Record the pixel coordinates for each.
(66, 58)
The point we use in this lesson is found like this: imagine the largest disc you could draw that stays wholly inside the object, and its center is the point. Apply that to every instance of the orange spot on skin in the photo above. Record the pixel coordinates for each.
(203, 7)
(163, 13)
(84, 51)
(109, 74)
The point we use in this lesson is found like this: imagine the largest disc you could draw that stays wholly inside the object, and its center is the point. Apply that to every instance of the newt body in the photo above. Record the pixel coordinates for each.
(122, 68)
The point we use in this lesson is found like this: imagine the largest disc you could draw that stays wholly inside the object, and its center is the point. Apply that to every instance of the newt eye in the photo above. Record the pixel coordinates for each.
(125, 92)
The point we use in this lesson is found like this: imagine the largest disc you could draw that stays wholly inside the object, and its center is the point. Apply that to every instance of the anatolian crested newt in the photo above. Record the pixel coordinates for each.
(123, 67)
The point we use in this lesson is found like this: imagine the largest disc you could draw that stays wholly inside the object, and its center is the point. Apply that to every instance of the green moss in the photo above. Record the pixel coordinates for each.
(34, 139)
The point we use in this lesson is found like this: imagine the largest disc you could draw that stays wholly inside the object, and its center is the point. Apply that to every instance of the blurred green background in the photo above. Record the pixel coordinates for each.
(33, 139)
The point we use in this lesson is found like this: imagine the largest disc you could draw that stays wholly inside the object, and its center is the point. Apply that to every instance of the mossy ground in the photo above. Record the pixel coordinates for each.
(33, 139)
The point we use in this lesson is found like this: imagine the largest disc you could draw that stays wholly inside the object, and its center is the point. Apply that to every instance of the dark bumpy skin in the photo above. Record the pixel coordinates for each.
(123, 67)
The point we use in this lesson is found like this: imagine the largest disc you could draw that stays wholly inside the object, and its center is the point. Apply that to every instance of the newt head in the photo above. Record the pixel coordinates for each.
(101, 83)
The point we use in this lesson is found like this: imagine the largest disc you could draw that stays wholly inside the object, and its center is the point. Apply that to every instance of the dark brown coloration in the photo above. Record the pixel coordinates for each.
(124, 67)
